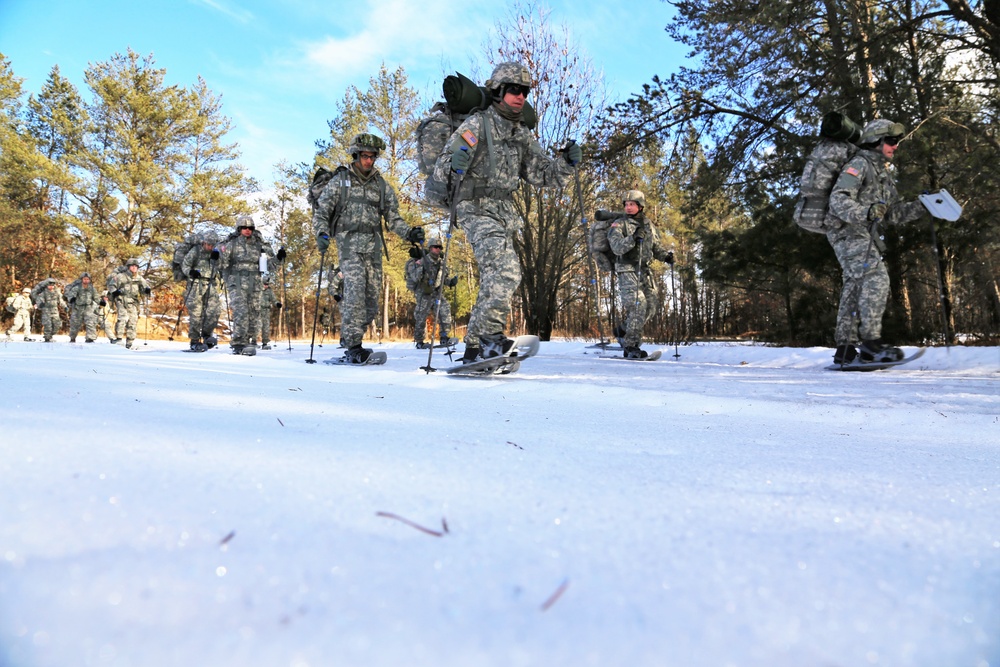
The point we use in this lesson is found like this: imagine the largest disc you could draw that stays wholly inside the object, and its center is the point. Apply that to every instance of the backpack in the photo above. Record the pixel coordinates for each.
(37, 290)
(180, 250)
(600, 249)
(9, 305)
(462, 99)
(823, 166)
(323, 177)
(68, 288)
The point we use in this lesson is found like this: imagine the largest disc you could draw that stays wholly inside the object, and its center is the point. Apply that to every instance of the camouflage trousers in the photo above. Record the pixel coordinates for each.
(51, 322)
(425, 306)
(83, 316)
(499, 276)
(265, 325)
(22, 320)
(362, 289)
(638, 299)
(244, 299)
(202, 302)
(128, 318)
(866, 286)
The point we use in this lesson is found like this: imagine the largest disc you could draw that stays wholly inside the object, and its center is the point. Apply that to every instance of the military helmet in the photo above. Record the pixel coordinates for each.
(636, 196)
(366, 143)
(435, 242)
(879, 129)
(132, 261)
(510, 72)
(245, 221)
(209, 237)
(26, 290)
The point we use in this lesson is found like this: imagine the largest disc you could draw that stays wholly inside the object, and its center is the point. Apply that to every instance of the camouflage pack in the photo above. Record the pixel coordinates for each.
(823, 166)
(180, 250)
(600, 249)
(322, 178)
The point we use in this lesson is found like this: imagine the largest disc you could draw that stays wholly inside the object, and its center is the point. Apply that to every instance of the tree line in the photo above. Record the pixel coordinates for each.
(717, 148)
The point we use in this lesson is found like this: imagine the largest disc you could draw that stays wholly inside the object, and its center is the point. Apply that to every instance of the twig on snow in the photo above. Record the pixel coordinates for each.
(411, 524)
(555, 595)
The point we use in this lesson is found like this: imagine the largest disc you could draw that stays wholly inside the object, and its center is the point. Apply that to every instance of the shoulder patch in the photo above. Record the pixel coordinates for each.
(852, 171)
(614, 224)
(470, 138)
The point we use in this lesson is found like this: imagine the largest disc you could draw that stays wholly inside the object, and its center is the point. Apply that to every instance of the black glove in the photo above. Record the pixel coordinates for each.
(73, 300)
(147, 291)
(104, 302)
(670, 257)
(451, 282)
(639, 234)
(215, 253)
(416, 252)
(415, 235)
(277, 304)
(323, 242)
(195, 273)
(117, 293)
(281, 254)
(572, 153)
(338, 298)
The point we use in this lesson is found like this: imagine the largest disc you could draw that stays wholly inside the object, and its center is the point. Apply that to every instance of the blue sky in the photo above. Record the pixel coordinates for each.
(281, 67)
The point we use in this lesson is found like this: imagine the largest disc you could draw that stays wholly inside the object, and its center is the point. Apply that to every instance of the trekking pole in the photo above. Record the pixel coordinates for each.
(941, 295)
(177, 324)
(452, 216)
(283, 314)
(590, 260)
(145, 304)
(319, 286)
(673, 297)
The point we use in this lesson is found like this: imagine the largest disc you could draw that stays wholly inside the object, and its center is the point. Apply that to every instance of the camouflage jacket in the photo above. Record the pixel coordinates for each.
(866, 180)
(50, 300)
(80, 296)
(629, 254)
(268, 298)
(131, 288)
(201, 259)
(501, 159)
(21, 303)
(241, 254)
(369, 201)
(422, 274)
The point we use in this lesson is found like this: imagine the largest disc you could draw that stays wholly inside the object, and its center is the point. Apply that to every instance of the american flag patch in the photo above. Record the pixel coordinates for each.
(470, 138)
(852, 171)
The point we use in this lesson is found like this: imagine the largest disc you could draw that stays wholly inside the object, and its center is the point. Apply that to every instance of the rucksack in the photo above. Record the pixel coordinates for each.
(823, 167)
(9, 305)
(323, 177)
(37, 290)
(180, 250)
(462, 98)
(600, 249)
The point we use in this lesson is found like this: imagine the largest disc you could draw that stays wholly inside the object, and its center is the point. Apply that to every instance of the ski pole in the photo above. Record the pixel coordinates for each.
(319, 286)
(452, 217)
(941, 293)
(673, 297)
(590, 258)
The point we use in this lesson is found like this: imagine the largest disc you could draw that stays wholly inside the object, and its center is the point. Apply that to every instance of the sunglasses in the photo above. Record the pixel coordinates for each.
(891, 141)
(516, 89)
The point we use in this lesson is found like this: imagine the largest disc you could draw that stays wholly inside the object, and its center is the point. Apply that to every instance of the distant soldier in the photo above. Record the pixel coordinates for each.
(20, 305)
(268, 301)
(634, 241)
(351, 210)
(422, 271)
(127, 289)
(492, 152)
(863, 200)
(201, 296)
(245, 256)
(48, 301)
(83, 303)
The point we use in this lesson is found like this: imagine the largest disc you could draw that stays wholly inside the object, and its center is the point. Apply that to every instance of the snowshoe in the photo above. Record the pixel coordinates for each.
(634, 353)
(421, 345)
(495, 345)
(880, 351)
(265, 346)
(211, 341)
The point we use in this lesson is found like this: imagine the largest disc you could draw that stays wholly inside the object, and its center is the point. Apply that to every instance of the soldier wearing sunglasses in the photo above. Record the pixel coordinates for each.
(864, 200)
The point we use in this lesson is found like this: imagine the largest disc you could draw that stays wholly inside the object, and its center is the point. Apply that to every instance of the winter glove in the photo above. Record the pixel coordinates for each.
(323, 242)
(147, 291)
(73, 300)
(338, 298)
(415, 235)
(639, 234)
(117, 293)
(452, 281)
(415, 252)
(877, 212)
(215, 253)
(281, 254)
(572, 153)
(669, 258)
(277, 304)
(195, 273)
(104, 302)
(460, 160)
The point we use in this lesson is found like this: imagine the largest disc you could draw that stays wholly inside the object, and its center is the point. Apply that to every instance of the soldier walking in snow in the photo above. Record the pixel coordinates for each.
(20, 305)
(492, 151)
(422, 272)
(351, 210)
(244, 271)
(127, 288)
(633, 239)
(863, 199)
(83, 302)
(48, 300)
(201, 297)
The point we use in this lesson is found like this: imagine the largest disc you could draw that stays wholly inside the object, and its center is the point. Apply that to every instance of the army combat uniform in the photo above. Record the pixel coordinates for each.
(48, 302)
(201, 296)
(127, 289)
(241, 265)
(84, 303)
(21, 304)
(421, 279)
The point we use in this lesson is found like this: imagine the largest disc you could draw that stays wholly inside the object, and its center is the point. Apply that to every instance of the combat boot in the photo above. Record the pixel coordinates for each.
(472, 355)
(878, 350)
(845, 354)
(421, 345)
(357, 355)
(634, 353)
(495, 345)
(619, 334)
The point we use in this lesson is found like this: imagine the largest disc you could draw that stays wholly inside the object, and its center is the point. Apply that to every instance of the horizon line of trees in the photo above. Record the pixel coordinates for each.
(717, 148)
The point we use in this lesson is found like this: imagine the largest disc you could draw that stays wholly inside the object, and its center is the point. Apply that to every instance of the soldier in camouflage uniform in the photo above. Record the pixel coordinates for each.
(201, 296)
(491, 152)
(241, 265)
(864, 199)
(22, 306)
(268, 300)
(351, 209)
(422, 271)
(83, 301)
(49, 300)
(127, 289)
(633, 239)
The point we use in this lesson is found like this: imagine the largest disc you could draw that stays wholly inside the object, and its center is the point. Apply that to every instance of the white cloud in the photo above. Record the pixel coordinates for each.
(237, 14)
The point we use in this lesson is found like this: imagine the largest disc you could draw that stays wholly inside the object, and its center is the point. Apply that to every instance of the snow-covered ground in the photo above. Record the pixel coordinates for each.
(736, 506)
